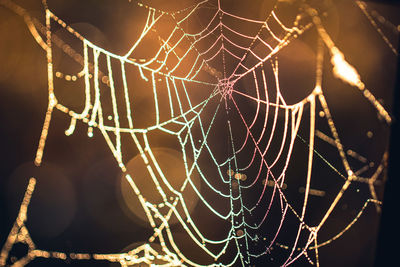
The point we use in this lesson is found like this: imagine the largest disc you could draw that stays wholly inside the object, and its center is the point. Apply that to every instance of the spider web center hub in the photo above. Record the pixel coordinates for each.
(225, 88)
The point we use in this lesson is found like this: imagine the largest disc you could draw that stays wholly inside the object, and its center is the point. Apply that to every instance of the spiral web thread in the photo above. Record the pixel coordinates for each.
(167, 70)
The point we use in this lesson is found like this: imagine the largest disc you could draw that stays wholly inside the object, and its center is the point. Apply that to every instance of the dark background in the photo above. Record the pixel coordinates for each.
(75, 206)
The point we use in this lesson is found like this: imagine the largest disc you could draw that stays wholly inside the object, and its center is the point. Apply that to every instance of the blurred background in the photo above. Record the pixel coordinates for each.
(79, 204)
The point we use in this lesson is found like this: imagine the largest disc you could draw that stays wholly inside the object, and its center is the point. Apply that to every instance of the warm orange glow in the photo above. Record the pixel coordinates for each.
(343, 70)
(161, 186)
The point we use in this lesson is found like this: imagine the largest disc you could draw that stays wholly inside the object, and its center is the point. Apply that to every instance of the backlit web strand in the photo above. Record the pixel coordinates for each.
(186, 115)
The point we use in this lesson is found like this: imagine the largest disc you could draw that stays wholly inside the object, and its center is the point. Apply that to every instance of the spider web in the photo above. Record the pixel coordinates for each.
(201, 80)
